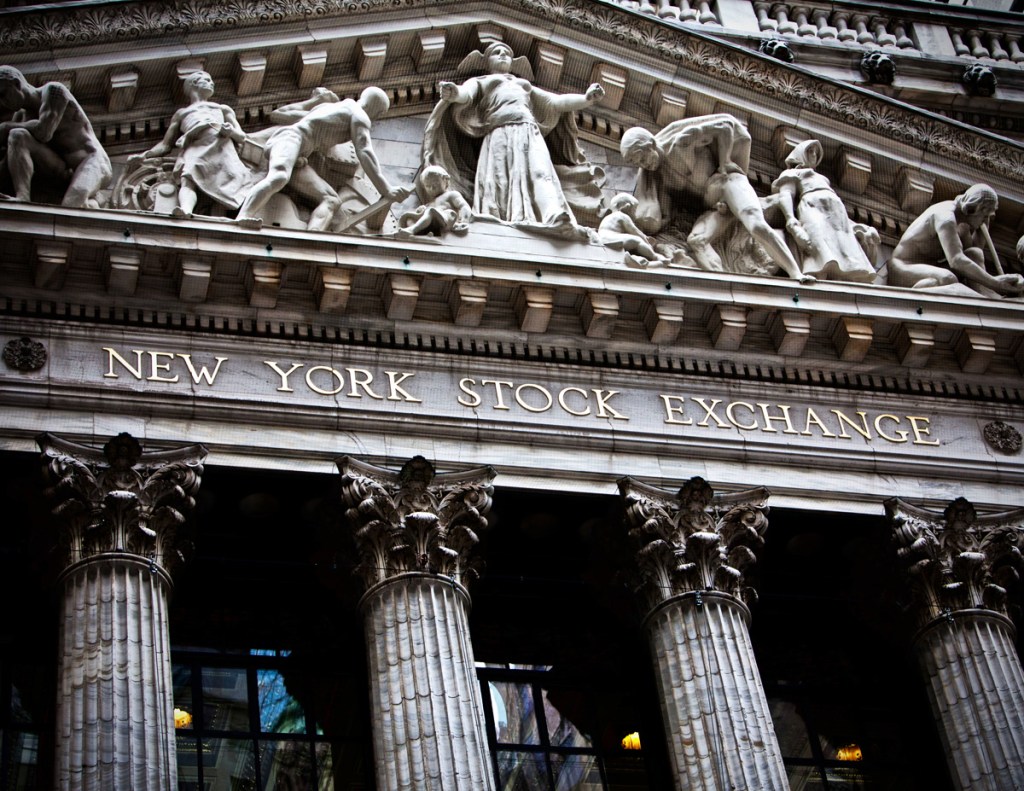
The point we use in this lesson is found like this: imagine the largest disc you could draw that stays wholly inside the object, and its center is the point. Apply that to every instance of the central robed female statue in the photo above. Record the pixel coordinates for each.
(512, 148)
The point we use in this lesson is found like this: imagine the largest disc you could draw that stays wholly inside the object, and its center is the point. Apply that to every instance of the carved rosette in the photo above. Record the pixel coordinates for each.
(24, 354)
(120, 499)
(956, 559)
(415, 520)
(694, 541)
(1003, 437)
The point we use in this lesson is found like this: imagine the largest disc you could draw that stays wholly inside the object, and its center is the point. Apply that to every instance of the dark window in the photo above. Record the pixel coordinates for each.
(240, 729)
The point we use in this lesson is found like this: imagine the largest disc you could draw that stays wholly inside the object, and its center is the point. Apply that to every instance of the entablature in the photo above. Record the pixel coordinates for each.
(493, 289)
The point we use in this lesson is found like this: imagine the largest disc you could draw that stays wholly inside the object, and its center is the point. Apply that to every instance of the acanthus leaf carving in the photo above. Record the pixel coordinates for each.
(121, 499)
(415, 520)
(956, 559)
(694, 541)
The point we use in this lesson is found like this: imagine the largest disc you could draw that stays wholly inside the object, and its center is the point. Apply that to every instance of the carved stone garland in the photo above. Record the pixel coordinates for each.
(960, 566)
(120, 510)
(693, 552)
(415, 533)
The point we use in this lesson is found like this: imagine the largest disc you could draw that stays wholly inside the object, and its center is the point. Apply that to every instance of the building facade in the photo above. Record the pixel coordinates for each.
(527, 394)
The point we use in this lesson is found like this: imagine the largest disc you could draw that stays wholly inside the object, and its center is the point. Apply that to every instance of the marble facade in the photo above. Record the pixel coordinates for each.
(577, 247)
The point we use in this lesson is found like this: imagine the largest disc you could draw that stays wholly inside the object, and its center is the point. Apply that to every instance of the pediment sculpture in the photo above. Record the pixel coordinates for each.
(50, 151)
(496, 148)
(512, 148)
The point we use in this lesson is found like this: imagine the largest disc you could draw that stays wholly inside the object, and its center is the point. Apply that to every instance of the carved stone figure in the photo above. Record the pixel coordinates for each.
(48, 135)
(443, 209)
(205, 135)
(702, 158)
(979, 80)
(316, 125)
(830, 246)
(879, 68)
(776, 48)
(529, 156)
(618, 230)
(945, 248)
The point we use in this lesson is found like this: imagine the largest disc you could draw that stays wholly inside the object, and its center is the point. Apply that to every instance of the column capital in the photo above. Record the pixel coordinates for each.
(121, 499)
(957, 559)
(694, 540)
(415, 520)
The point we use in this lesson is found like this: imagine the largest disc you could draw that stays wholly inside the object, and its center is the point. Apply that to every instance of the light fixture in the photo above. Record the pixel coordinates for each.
(632, 741)
(850, 752)
(182, 719)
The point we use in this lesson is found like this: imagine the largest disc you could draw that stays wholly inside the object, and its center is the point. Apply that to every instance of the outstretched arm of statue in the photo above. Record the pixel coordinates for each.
(570, 102)
(290, 113)
(457, 94)
(971, 269)
(231, 126)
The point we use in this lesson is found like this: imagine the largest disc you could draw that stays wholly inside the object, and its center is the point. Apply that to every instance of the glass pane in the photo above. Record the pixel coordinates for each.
(324, 767)
(27, 682)
(576, 773)
(188, 765)
(846, 778)
(626, 772)
(229, 765)
(790, 729)
(561, 732)
(225, 699)
(522, 771)
(279, 711)
(184, 712)
(804, 778)
(286, 766)
(515, 721)
(22, 754)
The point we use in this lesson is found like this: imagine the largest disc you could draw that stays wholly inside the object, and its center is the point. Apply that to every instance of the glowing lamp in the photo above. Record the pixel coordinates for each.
(850, 752)
(182, 719)
(632, 741)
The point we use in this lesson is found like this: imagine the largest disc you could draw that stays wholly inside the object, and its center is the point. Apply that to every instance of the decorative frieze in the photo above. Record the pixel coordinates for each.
(468, 299)
(663, 319)
(400, 294)
(121, 270)
(790, 330)
(193, 277)
(599, 313)
(852, 337)
(428, 49)
(372, 54)
(533, 306)
(263, 282)
(727, 326)
(122, 85)
(51, 261)
(548, 62)
(332, 289)
(308, 65)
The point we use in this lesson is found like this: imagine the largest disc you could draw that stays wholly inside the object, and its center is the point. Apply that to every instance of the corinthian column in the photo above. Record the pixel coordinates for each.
(415, 532)
(119, 510)
(693, 550)
(959, 565)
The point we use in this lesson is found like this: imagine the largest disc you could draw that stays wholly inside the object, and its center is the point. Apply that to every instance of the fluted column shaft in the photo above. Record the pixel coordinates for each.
(976, 687)
(115, 723)
(713, 705)
(427, 730)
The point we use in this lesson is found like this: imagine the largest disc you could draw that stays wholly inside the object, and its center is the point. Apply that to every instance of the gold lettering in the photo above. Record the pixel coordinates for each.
(602, 404)
(284, 388)
(784, 417)
(471, 393)
(732, 418)
(710, 410)
(499, 397)
(919, 430)
(320, 390)
(395, 379)
(112, 355)
(812, 417)
(669, 409)
(543, 391)
(561, 400)
(901, 434)
(360, 377)
(203, 372)
(864, 431)
(155, 366)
